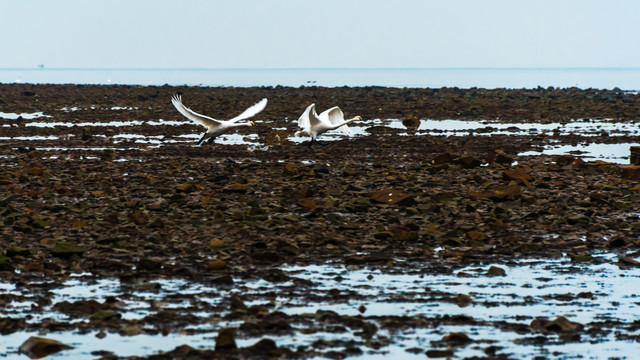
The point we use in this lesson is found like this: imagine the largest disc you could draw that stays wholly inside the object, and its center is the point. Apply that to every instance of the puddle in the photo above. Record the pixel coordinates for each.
(532, 288)
(615, 153)
(15, 116)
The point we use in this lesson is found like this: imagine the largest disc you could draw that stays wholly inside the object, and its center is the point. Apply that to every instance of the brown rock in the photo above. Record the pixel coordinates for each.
(35, 171)
(562, 324)
(467, 162)
(392, 197)
(630, 172)
(217, 265)
(307, 203)
(225, 340)
(457, 338)
(444, 158)
(496, 271)
(520, 175)
(38, 347)
(185, 188)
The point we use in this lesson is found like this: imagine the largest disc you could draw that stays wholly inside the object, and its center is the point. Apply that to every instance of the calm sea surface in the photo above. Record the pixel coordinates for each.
(600, 78)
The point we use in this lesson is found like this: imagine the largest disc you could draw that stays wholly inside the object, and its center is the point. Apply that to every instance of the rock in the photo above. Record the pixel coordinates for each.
(496, 271)
(217, 244)
(35, 171)
(225, 340)
(383, 235)
(392, 197)
(264, 347)
(627, 261)
(403, 234)
(630, 172)
(499, 157)
(520, 175)
(65, 249)
(6, 264)
(185, 188)
(439, 353)
(444, 158)
(216, 265)
(562, 324)
(235, 188)
(467, 162)
(411, 122)
(634, 158)
(225, 279)
(307, 203)
(105, 315)
(156, 223)
(237, 304)
(38, 347)
(457, 339)
(463, 300)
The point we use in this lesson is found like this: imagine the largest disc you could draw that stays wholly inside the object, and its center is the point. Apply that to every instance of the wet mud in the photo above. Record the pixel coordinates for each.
(105, 183)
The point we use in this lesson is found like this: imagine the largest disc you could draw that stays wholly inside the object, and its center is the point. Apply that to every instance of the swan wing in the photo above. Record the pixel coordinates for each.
(336, 117)
(304, 121)
(251, 111)
(190, 114)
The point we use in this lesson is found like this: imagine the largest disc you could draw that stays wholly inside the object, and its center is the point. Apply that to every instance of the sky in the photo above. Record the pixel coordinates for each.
(319, 34)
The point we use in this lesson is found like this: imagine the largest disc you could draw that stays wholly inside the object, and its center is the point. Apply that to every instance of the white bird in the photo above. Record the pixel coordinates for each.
(217, 127)
(312, 124)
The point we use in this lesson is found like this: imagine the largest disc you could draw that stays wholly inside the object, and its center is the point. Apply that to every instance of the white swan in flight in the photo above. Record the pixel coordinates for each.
(217, 127)
(312, 124)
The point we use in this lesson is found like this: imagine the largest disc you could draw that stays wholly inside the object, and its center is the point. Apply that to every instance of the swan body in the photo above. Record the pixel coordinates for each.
(217, 127)
(312, 124)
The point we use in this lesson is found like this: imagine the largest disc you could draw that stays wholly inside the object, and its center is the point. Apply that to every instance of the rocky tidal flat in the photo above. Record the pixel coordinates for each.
(409, 240)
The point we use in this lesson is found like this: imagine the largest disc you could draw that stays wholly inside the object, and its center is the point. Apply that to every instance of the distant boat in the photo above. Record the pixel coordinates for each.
(41, 66)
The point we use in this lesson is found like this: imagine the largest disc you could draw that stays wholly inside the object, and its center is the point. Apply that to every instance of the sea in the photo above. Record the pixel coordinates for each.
(627, 79)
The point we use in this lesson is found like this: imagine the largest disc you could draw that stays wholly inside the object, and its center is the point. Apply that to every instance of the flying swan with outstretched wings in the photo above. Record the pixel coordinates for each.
(218, 127)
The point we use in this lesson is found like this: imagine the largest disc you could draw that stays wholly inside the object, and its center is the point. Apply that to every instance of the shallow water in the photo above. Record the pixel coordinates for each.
(617, 153)
(532, 288)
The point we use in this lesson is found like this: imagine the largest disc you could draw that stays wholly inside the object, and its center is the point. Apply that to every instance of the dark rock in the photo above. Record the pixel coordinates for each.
(496, 271)
(65, 249)
(457, 339)
(562, 324)
(6, 264)
(225, 340)
(439, 353)
(264, 347)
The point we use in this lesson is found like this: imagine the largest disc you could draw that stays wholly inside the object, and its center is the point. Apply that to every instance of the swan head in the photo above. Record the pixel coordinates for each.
(358, 117)
(252, 123)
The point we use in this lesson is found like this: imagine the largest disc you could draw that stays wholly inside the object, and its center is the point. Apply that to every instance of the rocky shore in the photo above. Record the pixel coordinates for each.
(79, 202)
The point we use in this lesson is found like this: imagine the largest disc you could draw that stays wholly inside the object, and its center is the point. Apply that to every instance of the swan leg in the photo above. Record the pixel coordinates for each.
(202, 138)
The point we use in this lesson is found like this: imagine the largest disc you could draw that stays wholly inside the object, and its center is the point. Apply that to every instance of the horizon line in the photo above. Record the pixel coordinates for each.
(309, 68)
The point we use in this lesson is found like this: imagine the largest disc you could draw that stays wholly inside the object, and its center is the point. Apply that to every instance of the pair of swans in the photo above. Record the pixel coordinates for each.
(310, 123)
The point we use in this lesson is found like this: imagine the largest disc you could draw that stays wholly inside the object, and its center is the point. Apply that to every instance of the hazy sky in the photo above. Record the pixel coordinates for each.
(319, 33)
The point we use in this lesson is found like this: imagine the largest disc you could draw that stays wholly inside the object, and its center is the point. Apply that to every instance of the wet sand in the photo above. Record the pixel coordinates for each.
(89, 201)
